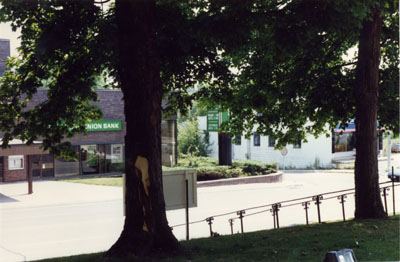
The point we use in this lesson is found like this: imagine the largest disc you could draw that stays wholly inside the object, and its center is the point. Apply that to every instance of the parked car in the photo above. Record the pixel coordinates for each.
(396, 174)
(396, 147)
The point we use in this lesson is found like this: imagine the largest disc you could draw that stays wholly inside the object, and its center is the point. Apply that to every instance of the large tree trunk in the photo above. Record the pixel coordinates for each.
(368, 200)
(146, 228)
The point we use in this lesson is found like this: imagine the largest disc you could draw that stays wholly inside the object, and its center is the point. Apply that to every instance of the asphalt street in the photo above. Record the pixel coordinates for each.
(62, 219)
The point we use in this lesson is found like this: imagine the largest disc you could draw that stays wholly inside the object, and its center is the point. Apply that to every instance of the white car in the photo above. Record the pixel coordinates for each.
(396, 175)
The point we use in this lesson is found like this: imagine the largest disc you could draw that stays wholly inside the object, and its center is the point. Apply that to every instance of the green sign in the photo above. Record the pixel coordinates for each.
(214, 119)
(105, 125)
(224, 117)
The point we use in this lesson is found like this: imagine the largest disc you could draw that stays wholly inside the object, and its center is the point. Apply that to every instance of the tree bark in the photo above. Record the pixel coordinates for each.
(224, 149)
(368, 200)
(146, 228)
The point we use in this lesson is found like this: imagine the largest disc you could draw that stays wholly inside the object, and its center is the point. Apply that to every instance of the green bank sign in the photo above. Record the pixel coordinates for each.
(105, 125)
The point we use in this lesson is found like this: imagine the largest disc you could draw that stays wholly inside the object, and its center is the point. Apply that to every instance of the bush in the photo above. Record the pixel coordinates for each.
(217, 172)
(192, 140)
(254, 167)
(208, 169)
(197, 161)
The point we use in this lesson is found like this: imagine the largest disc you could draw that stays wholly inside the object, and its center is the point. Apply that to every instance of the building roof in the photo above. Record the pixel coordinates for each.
(15, 141)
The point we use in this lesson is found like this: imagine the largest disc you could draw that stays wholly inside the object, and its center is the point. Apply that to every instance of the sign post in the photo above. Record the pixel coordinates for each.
(284, 152)
(214, 120)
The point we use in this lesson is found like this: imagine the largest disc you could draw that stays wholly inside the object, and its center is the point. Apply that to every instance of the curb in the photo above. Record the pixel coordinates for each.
(270, 178)
(349, 171)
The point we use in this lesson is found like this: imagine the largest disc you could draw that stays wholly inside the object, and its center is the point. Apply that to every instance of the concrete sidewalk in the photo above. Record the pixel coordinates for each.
(47, 196)
(46, 192)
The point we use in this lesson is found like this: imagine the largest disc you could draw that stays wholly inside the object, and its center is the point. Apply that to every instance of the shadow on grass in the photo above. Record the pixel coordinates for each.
(371, 240)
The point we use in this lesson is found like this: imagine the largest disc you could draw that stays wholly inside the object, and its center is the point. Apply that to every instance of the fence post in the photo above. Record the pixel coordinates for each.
(231, 224)
(341, 198)
(276, 209)
(384, 197)
(317, 200)
(187, 208)
(209, 221)
(273, 215)
(394, 201)
(240, 214)
(306, 207)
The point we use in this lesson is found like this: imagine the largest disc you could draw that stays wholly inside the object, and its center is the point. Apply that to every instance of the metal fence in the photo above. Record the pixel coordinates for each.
(304, 203)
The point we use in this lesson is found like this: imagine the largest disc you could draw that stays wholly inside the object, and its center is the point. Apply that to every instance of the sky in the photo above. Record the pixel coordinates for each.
(7, 33)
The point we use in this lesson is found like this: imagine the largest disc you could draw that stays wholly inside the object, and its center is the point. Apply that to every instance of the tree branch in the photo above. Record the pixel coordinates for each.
(102, 2)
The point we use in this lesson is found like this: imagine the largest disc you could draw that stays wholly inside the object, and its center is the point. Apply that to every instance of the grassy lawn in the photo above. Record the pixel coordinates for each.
(371, 240)
(100, 181)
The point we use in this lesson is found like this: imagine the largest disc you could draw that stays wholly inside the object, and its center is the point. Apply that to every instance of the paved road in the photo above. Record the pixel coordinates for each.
(62, 219)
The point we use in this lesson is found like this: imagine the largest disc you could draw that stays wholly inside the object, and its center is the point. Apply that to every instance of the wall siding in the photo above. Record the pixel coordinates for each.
(315, 151)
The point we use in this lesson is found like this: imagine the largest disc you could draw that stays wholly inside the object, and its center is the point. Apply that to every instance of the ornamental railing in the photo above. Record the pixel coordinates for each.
(304, 203)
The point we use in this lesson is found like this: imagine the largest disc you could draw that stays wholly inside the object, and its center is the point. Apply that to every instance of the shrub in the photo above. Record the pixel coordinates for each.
(192, 140)
(217, 172)
(254, 167)
(197, 161)
(208, 169)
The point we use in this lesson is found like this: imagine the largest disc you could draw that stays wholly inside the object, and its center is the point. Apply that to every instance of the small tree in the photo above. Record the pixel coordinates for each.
(192, 140)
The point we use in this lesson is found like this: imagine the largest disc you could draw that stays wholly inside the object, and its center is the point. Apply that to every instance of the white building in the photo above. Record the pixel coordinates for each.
(321, 152)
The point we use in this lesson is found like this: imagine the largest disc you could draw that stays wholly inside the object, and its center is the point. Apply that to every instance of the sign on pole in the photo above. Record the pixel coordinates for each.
(215, 119)
(212, 121)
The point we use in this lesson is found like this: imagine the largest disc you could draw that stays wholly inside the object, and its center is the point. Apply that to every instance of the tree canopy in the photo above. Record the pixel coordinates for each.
(280, 67)
(293, 73)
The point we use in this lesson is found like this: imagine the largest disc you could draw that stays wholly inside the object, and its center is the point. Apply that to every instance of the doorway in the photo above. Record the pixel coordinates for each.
(41, 166)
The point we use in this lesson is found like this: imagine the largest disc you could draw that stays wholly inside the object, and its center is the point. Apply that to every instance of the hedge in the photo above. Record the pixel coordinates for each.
(208, 169)
(254, 167)
(217, 172)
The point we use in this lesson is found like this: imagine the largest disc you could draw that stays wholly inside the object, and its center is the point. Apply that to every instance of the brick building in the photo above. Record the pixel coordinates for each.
(100, 151)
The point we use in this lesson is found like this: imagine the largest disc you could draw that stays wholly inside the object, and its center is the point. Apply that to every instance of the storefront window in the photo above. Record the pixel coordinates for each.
(67, 167)
(90, 159)
(115, 157)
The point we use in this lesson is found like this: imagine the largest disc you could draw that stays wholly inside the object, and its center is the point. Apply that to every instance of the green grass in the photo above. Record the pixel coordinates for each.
(100, 181)
(371, 240)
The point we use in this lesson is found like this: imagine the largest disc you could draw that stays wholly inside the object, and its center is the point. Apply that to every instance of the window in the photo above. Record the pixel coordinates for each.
(271, 141)
(256, 139)
(238, 140)
(116, 153)
(343, 142)
(15, 162)
(297, 145)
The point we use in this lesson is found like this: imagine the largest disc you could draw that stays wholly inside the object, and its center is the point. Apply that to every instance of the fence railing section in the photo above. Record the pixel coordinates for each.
(304, 202)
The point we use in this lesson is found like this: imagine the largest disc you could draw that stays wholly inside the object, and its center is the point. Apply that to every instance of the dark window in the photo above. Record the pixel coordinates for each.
(237, 140)
(271, 141)
(297, 145)
(256, 139)
(343, 142)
